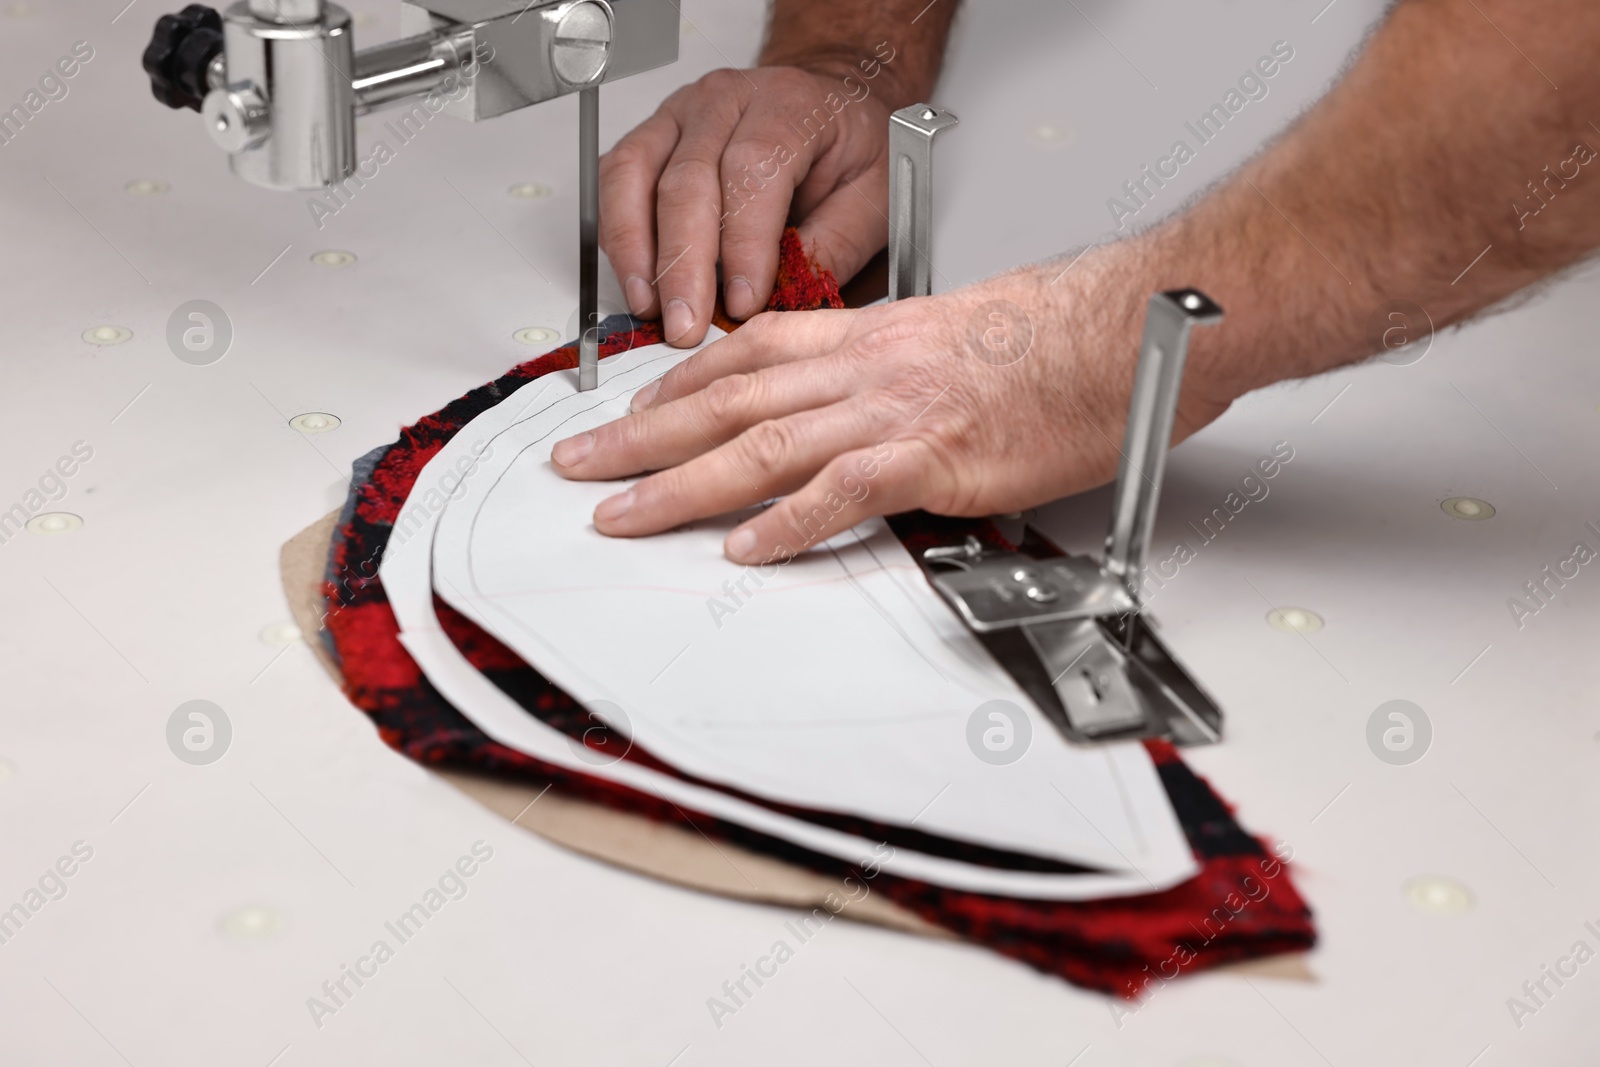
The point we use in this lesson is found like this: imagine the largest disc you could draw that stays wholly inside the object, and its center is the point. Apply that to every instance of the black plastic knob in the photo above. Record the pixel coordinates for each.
(180, 54)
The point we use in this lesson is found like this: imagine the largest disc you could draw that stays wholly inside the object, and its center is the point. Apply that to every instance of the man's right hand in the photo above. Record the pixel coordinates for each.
(719, 170)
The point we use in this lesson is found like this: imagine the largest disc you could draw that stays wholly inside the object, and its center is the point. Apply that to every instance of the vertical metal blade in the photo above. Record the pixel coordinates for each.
(588, 236)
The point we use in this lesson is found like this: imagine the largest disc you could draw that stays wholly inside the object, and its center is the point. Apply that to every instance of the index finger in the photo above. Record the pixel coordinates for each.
(767, 340)
(880, 479)
(628, 176)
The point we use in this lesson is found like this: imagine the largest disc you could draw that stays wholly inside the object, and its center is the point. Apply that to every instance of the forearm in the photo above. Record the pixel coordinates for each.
(899, 43)
(1391, 189)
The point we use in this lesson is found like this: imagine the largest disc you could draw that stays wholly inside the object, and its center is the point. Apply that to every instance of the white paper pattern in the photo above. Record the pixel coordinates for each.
(840, 682)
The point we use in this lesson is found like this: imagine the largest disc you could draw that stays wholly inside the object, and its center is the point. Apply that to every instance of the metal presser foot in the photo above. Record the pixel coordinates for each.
(1070, 630)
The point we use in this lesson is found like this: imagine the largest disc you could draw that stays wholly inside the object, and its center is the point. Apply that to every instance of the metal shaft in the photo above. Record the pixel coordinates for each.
(412, 66)
(911, 132)
(589, 236)
(1156, 383)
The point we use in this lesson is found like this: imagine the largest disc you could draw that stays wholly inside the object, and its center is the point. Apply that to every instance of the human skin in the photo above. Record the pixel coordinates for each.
(1408, 181)
(704, 178)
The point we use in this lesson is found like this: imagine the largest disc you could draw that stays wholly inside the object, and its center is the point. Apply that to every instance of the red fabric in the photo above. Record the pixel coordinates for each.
(1241, 905)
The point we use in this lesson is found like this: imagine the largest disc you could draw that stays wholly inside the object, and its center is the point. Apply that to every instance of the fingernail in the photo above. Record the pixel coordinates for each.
(614, 507)
(572, 450)
(642, 398)
(741, 545)
(677, 319)
(638, 293)
(738, 297)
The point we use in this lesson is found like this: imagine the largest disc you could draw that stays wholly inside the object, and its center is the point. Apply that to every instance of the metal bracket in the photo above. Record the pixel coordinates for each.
(1069, 629)
(911, 133)
(1169, 318)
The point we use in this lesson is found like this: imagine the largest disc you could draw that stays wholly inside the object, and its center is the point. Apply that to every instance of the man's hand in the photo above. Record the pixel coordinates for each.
(716, 173)
(962, 404)
(852, 414)
(803, 138)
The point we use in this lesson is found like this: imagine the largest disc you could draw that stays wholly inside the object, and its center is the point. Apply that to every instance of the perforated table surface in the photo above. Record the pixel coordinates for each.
(207, 903)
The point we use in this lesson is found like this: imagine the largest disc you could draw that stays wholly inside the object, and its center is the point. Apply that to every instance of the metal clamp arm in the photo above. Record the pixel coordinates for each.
(1151, 412)
(282, 92)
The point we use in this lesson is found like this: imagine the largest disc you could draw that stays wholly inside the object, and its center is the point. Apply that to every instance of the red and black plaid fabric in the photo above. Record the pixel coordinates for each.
(1241, 905)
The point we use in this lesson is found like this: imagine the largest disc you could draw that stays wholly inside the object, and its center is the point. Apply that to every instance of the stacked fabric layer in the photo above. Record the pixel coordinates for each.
(820, 715)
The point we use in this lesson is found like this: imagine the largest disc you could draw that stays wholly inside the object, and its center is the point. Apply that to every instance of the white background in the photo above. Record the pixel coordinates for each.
(161, 596)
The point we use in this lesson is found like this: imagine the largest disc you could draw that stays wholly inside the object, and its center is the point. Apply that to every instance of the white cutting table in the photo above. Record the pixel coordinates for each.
(219, 898)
